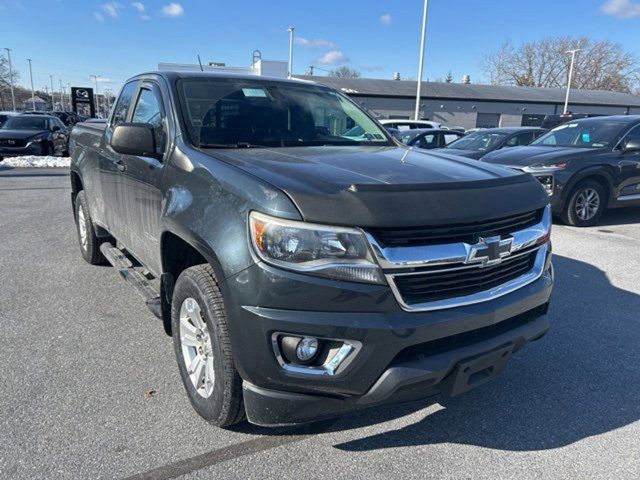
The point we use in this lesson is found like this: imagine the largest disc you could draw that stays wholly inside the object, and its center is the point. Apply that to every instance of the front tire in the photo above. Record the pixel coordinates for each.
(203, 349)
(585, 204)
(89, 241)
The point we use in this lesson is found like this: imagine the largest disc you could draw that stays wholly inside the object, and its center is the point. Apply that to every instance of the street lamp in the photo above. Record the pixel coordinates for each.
(573, 57)
(33, 92)
(95, 78)
(53, 105)
(290, 30)
(13, 97)
(421, 61)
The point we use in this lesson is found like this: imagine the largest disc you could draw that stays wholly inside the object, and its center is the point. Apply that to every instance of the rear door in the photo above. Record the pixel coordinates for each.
(629, 163)
(142, 179)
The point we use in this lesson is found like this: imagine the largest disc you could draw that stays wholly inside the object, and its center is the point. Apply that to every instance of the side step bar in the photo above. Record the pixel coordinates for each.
(125, 268)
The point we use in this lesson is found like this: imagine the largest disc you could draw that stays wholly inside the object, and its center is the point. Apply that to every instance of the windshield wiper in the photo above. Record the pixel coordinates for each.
(229, 145)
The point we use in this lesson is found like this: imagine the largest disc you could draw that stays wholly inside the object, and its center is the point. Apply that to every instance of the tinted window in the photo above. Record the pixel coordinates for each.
(520, 139)
(124, 102)
(633, 135)
(149, 110)
(478, 141)
(451, 137)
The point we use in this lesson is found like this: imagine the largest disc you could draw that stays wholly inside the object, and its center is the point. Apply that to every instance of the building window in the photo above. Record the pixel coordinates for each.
(532, 120)
(488, 120)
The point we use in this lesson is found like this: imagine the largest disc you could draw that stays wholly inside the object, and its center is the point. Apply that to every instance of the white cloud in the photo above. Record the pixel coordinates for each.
(172, 10)
(386, 19)
(112, 9)
(98, 16)
(314, 42)
(333, 57)
(138, 6)
(104, 80)
(621, 8)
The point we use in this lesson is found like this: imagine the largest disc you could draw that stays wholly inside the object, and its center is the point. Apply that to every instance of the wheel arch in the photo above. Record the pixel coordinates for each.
(598, 174)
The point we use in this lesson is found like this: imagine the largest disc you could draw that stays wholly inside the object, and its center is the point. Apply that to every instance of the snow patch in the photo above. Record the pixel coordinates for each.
(35, 162)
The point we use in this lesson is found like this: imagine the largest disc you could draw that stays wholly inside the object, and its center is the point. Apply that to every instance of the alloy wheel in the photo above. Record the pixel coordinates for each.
(587, 204)
(197, 351)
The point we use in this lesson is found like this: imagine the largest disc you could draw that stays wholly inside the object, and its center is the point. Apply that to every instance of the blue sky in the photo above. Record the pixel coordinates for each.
(72, 39)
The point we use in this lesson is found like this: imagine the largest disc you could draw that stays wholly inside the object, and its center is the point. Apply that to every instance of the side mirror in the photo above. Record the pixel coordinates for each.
(135, 139)
(632, 145)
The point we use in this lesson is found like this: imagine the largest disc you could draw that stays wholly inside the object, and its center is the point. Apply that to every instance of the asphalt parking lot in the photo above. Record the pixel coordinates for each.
(90, 388)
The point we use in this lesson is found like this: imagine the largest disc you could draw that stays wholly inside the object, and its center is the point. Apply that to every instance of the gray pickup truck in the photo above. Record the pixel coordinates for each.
(305, 263)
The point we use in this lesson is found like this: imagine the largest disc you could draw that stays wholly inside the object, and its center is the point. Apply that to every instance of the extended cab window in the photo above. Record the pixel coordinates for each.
(149, 110)
(124, 102)
(231, 113)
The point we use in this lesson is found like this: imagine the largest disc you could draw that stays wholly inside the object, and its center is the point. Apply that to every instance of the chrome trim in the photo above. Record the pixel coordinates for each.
(626, 198)
(452, 253)
(338, 361)
(484, 296)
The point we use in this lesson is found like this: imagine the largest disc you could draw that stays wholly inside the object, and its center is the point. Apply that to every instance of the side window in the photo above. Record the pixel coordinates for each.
(124, 102)
(520, 139)
(450, 137)
(633, 136)
(149, 110)
(428, 141)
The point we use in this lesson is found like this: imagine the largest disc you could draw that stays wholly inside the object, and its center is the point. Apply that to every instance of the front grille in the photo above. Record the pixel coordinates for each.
(433, 286)
(12, 143)
(468, 232)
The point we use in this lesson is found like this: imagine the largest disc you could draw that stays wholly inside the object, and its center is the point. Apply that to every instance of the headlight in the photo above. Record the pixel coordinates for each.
(335, 252)
(547, 182)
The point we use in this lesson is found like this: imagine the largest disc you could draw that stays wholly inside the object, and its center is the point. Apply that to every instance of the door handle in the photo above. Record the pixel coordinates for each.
(120, 165)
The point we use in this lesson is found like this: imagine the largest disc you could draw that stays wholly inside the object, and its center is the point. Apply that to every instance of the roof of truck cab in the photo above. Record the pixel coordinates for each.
(176, 75)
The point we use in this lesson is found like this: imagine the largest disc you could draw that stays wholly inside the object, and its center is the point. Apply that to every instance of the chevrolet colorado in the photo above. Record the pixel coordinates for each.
(306, 268)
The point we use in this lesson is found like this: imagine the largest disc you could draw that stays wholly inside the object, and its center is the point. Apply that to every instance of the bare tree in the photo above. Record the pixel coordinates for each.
(600, 65)
(344, 72)
(5, 82)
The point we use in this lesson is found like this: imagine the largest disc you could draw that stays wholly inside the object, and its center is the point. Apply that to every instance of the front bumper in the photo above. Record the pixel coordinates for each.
(404, 355)
(30, 149)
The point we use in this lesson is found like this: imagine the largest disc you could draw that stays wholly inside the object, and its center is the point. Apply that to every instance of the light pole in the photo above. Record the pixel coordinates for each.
(290, 30)
(13, 97)
(33, 92)
(95, 78)
(421, 62)
(61, 94)
(53, 105)
(573, 57)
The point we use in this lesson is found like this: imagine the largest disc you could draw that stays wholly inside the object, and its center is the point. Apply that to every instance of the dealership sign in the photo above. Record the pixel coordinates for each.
(82, 99)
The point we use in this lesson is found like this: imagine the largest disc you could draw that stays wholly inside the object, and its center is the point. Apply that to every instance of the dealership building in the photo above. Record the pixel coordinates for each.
(474, 105)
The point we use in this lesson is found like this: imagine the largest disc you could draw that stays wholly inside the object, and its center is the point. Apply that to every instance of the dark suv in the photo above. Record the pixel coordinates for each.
(585, 165)
(304, 262)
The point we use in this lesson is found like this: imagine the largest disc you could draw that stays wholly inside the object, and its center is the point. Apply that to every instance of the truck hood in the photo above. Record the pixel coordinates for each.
(388, 186)
(527, 156)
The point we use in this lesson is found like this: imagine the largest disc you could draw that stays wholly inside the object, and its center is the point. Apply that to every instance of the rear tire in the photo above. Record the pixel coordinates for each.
(203, 349)
(47, 149)
(585, 204)
(87, 238)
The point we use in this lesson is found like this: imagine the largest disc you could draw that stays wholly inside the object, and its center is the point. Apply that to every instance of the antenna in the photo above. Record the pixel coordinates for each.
(200, 62)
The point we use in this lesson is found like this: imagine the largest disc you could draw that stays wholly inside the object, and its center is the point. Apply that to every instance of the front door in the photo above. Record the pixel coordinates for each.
(142, 178)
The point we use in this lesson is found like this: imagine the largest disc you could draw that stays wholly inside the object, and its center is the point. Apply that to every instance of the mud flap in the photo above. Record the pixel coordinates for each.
(476, 371)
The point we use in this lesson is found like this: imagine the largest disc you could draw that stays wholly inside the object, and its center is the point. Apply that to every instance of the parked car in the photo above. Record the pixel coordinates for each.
(293, 263)
(477, 144)
(33, 135)
(429, 138)
(403, 125)
(395, 133)
(4, 116)
(585, 165)
(552, 121)
(68, 118)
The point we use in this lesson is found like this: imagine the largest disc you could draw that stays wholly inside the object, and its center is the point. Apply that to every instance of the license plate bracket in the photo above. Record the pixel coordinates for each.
(476, 371)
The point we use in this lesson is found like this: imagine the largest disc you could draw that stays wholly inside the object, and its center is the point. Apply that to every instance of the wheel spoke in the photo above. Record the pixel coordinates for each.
(199, 373)
(189, 339)
(195, 364)
(186, 324)
(198, 320)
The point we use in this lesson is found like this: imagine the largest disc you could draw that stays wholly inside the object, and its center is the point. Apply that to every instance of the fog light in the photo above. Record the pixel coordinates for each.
(307, 349)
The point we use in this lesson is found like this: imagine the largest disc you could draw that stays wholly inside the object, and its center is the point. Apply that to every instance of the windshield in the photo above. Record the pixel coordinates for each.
(478, 141)
(25, 123)
(581, 135)
(228, 113)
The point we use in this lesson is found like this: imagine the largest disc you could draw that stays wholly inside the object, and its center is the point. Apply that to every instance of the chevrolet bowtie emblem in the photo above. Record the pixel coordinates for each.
(489, 251)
